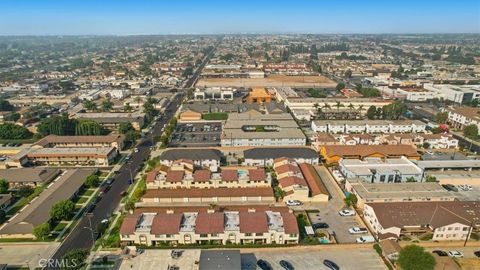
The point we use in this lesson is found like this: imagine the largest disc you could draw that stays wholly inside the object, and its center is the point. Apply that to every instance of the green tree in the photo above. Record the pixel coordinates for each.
(130, 205)
(123, 128)
(279, 192)
(58, 125)
(149, 108)
(340, 86)
(88, 127)
(92, 180)
(5, 105)
(411, 179)
(42, 230)
(471, 131)
(371, 112)
(394, 111)
(131, 136)
(75, 259)
(127, 107)
(10, 131)
(107, 105)
(351, 199)
(436, 130)
(24, 191)
(441, 117)
(13, 117)
(348, 73)
(431, 178)
(413, 257)
(62, 210)
(3, 186)
(90, 105)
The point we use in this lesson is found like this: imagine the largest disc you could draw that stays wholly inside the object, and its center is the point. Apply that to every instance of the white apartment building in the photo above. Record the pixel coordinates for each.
(368, 126)
(229, 227)
(461, 117)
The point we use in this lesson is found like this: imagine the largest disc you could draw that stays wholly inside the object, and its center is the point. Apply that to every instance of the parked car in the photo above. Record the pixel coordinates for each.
(293, 203)
(89, 209)
(455, 254)
(321, 225)
(346, 212)
(110, 181)
(450, 187)
(136, 150)
(357, 230)
(331, 265)
(96, 200)
(440, 253)
(105, 189)
(286, 265)
(365, 239)
(264, 265)
(477, 253)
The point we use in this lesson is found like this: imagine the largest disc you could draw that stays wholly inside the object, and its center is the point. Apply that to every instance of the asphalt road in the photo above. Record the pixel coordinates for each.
(81, 236)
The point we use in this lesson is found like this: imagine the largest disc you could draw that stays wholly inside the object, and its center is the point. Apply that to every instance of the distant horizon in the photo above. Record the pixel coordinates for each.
(126, 18)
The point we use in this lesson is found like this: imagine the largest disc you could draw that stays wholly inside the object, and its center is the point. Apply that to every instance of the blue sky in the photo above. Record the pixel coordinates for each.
(100, 17)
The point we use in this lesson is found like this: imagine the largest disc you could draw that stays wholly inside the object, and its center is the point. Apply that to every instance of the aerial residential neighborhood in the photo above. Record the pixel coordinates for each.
(240, 136)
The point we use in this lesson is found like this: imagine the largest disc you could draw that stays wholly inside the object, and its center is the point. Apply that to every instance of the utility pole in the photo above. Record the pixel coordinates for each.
(468, 233)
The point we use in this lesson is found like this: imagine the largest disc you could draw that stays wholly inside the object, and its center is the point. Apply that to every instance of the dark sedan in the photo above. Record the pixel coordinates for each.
(331, 265)
(286, 265)
(264, 265)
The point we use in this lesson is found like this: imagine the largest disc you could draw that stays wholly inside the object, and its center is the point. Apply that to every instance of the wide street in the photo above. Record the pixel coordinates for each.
(81, 236)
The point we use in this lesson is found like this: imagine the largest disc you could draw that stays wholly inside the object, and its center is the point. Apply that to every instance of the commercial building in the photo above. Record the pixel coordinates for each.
(333, 153)
(113, 120)
(457, 93)
(447, 221)
(201, 158)
(259, 95)
(112, 140)
(37, 211)
(262, 156)
(261, 130)
(214, 93)
(367, 192)
(377, 170)
(460, 117)
(28, 176)
(223, 227)
(369, 126)
(208, 196)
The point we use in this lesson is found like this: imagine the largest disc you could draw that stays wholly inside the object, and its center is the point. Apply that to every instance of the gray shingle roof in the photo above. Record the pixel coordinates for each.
(290, 152)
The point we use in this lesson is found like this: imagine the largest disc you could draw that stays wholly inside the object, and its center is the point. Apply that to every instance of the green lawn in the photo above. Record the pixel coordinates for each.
(24, 201)
(88, 192)
(82, 200)
(60, 226)
(215, 116)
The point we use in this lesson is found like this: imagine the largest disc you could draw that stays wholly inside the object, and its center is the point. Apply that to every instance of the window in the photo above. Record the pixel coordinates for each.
(125, 236)
(169, 236)
(214, 235)
(203, 235)
(449, 228)
(248, 234)
(465, 229)
(259, 234)
(294, 235)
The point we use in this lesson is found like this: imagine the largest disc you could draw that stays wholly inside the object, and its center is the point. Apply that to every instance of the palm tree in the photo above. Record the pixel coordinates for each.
(107, 105)
(339, 105)
(351, 106)
(326, 106)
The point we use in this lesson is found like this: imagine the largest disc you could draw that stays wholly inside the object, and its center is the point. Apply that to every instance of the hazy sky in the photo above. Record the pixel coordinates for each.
(18, 17)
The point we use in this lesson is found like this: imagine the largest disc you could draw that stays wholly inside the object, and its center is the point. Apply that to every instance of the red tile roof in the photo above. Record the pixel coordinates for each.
(313, 180)
(201, 176)
(287, 168)
(292, 180)
(229, 175)
(166, 224)
(129, 223)
(209, 223)
(253, 222)
(289, 223)
(151, 176)
(257, 175)
(208, 192)
(175, 176)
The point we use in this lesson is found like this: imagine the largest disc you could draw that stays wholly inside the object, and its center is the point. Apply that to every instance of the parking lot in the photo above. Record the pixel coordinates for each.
(196, 134)
(346, 258)
(328, 212)
(470, 195)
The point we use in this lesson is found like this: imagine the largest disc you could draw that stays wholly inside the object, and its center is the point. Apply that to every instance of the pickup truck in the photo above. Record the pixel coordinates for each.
(365, 239)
